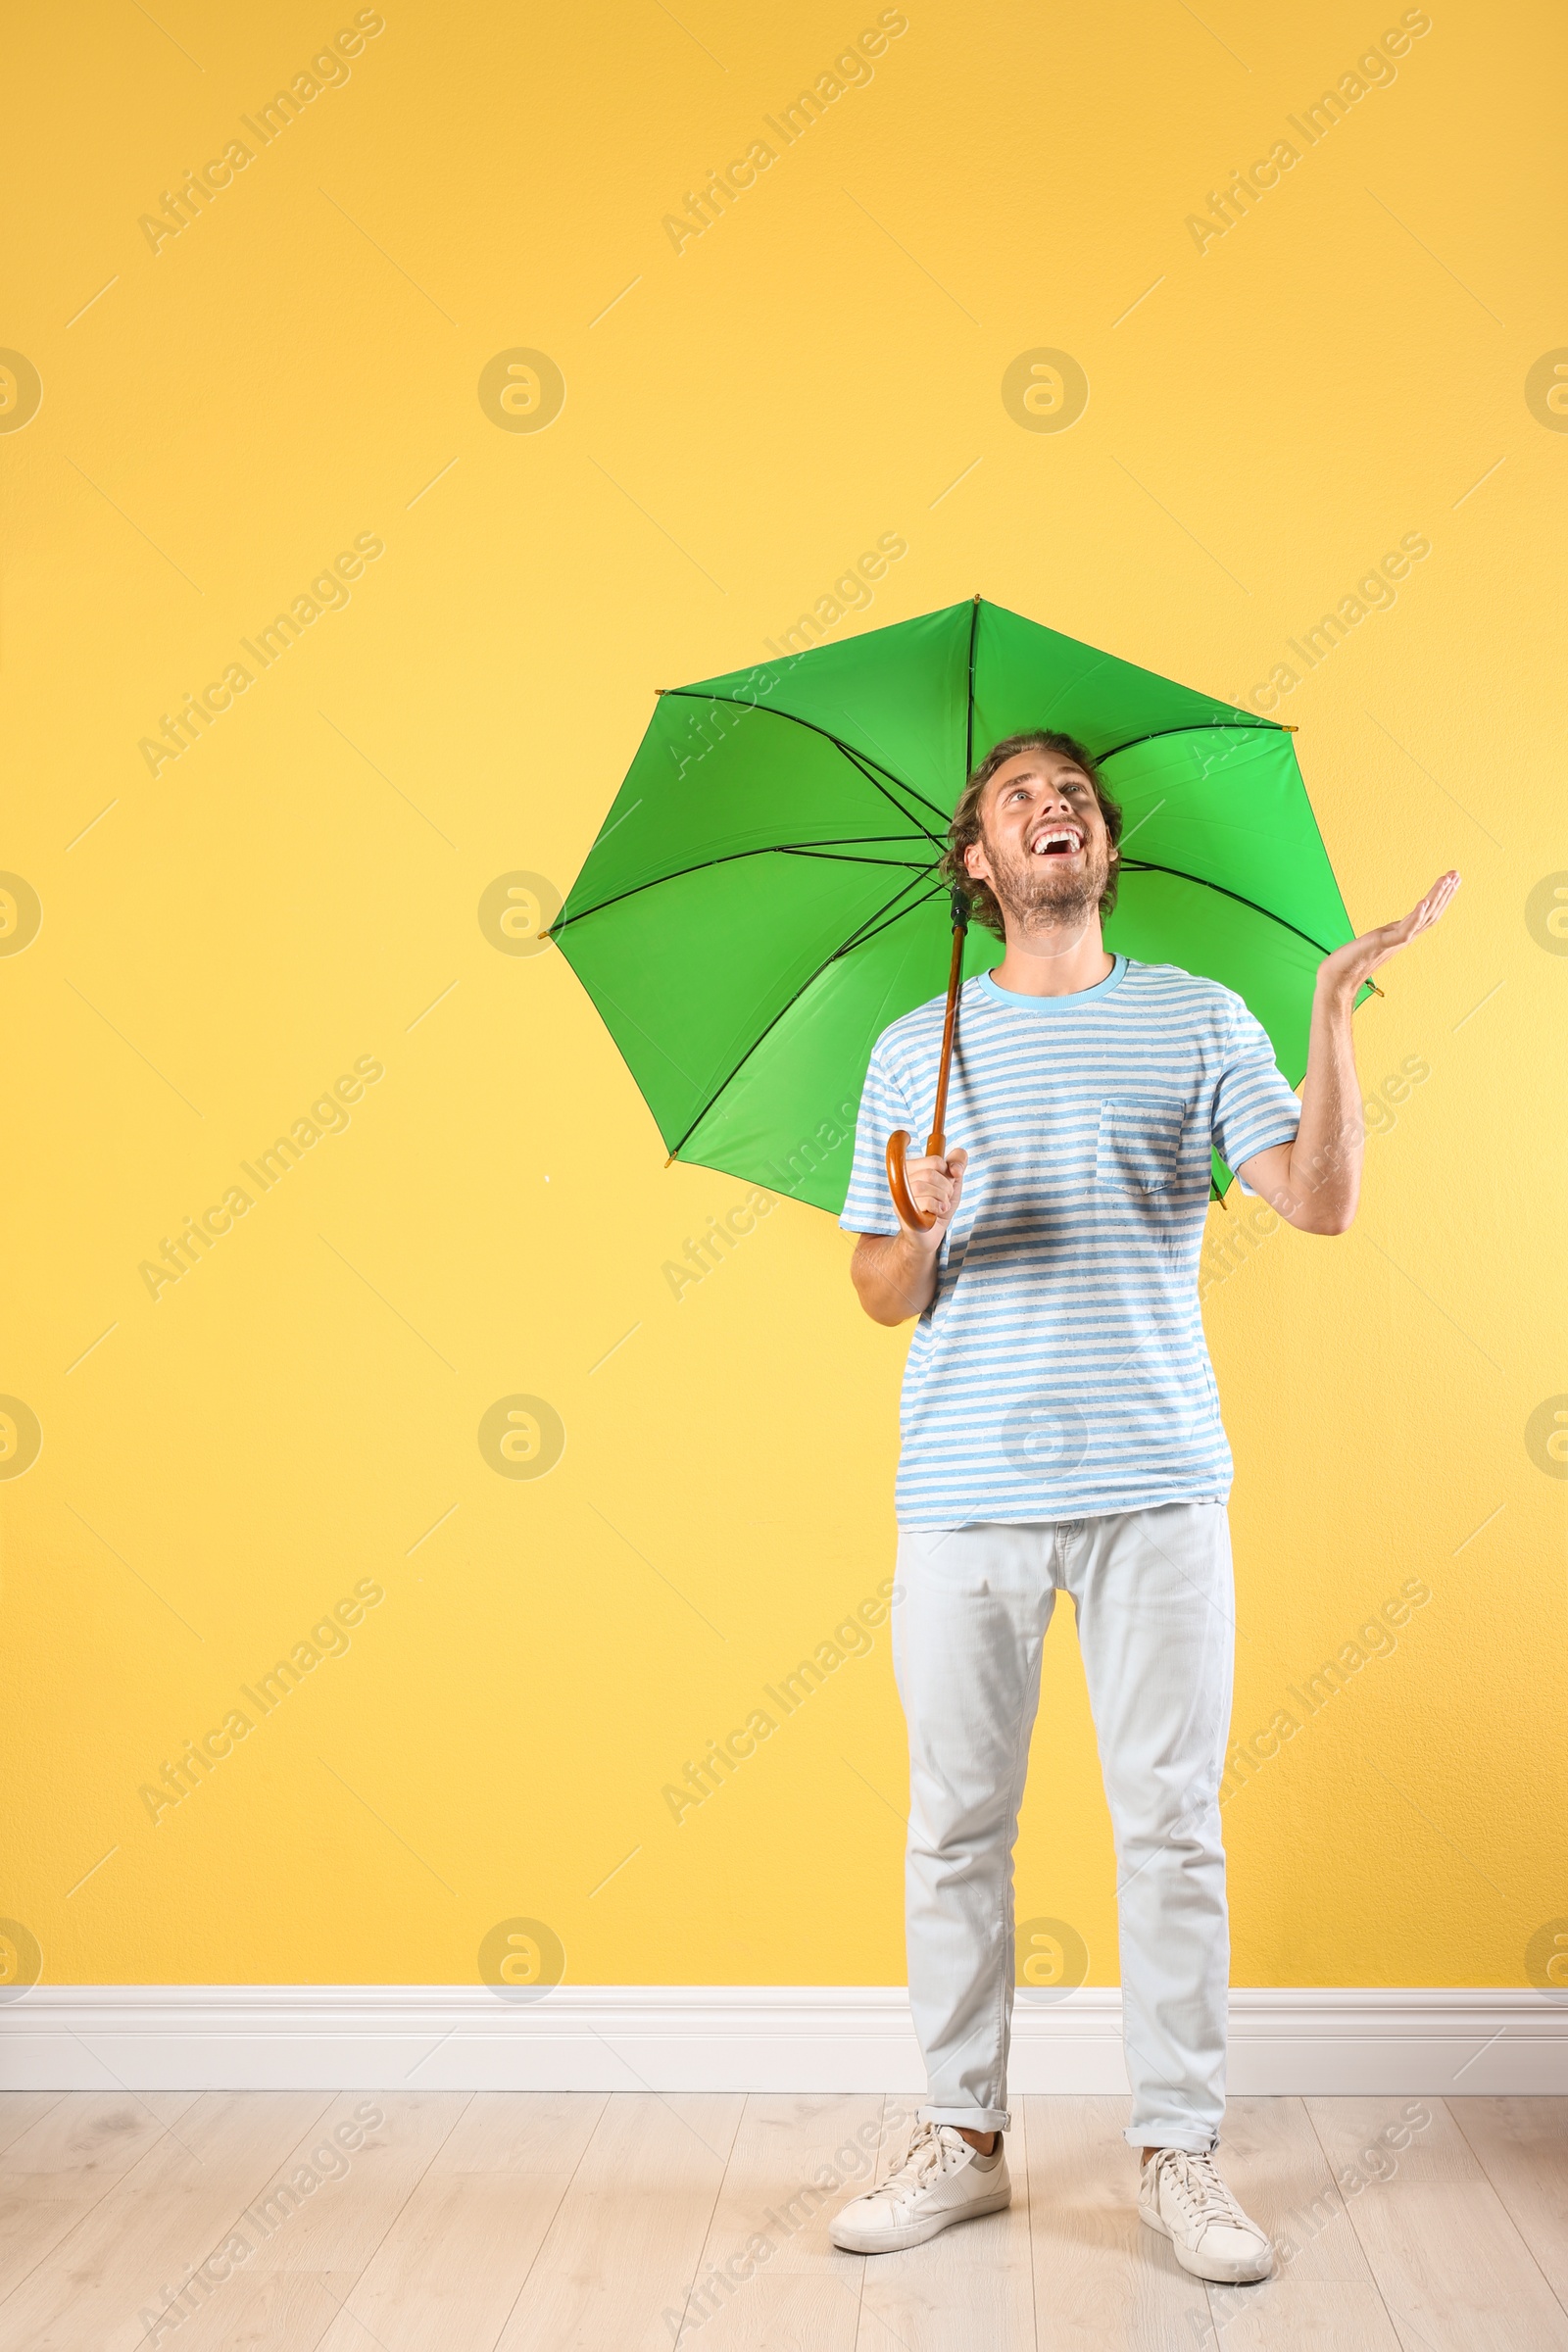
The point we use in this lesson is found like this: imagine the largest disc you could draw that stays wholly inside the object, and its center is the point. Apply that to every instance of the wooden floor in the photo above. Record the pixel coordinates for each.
(542, 2223)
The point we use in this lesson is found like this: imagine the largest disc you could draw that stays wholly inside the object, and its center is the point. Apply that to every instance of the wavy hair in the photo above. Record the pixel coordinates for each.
(966, 828)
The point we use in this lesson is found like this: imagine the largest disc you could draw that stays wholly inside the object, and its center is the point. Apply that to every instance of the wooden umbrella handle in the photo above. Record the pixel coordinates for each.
(899, 1184)
(936, 1143)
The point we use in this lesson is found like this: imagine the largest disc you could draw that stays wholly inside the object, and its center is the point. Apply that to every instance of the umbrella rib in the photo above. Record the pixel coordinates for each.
(1144, 866)
(786, 848)
(1139, 866)
(968, 711)
(873, 928)
(772, 849)
(876, 923)
(1196, 726)
(1263, 726)
(856, 759)
(729, 1079)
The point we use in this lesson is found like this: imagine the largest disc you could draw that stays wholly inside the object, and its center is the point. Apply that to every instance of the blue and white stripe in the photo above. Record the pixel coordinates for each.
(1062, 1370)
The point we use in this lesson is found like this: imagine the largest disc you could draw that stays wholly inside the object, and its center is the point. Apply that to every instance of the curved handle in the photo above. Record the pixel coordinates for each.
(936, 1145)
(899, 1184)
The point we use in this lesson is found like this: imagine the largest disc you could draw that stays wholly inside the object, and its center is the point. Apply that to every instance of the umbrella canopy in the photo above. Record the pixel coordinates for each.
(763, 899)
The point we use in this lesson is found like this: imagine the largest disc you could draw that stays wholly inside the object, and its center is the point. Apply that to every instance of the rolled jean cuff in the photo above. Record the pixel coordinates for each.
(968, 2119)
(1193, 2137)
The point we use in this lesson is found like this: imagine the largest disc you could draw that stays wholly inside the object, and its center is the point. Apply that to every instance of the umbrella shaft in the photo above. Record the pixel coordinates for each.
(937, 1142)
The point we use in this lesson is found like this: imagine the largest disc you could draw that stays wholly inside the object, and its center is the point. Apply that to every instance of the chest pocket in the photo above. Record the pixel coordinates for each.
(1139, 1144)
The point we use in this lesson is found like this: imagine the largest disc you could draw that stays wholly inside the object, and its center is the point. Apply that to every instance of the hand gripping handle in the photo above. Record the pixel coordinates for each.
(922, 1219)
(899, 1184)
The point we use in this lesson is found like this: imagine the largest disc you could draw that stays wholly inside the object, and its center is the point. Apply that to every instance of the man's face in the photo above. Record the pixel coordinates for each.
(1043, 845)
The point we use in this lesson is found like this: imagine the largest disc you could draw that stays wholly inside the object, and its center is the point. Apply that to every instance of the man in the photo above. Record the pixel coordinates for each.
(1061, 1430)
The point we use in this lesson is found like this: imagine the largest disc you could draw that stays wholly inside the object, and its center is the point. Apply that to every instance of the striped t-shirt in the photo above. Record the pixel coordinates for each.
(1061, 1370)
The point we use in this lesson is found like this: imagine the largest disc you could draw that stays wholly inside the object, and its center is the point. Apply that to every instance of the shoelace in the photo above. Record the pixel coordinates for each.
(928, 2154)
(1200, 2187)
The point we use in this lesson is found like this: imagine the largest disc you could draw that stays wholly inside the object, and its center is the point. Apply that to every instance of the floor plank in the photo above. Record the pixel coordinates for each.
(90, 2132)
(1311, 2315)
(1322, 2293)
(447, 2273)
(19, 2109)
(586, 2223)
(366, 2157)
(70, 2156)
(1103, 2283)
(1522, 2146)
(1271, 2156)
(277, 2311)
(768, 2272)
(971, 2286)
(624, 2241)
(163, 2216)
(366, 2176)
(1453, 2271)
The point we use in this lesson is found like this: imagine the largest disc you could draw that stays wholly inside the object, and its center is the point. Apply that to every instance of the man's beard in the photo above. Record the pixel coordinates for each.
(1047, 894)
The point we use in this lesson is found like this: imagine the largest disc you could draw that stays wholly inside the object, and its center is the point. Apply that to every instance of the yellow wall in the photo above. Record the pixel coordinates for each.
(299, 892)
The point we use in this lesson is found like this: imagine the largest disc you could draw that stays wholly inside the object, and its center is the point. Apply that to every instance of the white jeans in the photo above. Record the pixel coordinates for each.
(1155, 1618)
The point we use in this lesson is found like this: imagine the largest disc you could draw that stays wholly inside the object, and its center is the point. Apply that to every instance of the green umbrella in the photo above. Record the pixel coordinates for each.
(763, 899)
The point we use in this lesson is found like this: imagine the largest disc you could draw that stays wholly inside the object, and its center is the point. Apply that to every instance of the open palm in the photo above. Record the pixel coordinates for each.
(1358, 957)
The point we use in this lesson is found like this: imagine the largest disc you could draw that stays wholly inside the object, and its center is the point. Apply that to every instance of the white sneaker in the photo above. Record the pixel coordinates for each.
(1183, 2196)
(942, 2180)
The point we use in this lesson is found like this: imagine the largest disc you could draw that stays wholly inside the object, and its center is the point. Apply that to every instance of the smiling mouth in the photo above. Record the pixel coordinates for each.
(1057, 841)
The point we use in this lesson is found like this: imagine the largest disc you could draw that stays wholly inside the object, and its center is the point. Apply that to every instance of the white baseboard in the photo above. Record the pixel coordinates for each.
(670, 2038)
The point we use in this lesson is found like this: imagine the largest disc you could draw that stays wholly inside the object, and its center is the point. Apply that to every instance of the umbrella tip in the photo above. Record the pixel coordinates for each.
(1287, 729)
(670, 1161)
(977, 596)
